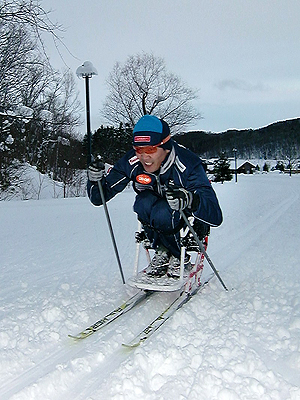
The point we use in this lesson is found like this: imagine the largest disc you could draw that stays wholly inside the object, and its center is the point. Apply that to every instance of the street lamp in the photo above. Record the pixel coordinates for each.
(86, 71)
(235, 166)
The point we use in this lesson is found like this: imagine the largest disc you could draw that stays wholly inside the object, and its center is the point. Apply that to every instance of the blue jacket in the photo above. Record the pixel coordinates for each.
(181, 167)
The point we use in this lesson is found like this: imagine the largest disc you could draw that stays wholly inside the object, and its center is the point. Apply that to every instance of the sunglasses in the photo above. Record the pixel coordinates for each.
(150, 149)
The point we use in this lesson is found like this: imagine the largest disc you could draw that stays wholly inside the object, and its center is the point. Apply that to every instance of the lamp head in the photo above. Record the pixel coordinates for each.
(86, 70)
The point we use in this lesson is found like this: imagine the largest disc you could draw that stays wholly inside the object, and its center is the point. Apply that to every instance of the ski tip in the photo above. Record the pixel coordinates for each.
(80, 336)
(131, 346)
(74, 337)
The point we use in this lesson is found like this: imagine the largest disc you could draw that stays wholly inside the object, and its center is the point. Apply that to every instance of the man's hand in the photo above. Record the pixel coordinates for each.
(179, 198)
(96, 171)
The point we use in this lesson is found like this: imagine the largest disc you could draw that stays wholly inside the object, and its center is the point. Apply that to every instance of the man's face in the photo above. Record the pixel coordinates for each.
(152, 162)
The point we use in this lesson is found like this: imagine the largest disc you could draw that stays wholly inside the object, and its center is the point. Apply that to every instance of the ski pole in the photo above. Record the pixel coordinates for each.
(202, 248)
(111, 229)
(87, 72)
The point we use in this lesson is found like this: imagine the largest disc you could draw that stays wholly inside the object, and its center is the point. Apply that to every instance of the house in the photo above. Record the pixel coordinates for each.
(246, 168)
(243, 166)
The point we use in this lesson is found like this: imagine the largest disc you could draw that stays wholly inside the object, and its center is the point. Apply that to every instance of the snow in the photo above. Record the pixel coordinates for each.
(59, 274)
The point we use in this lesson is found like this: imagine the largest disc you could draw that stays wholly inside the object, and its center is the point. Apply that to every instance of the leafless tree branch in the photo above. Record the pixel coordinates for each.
(143, 86)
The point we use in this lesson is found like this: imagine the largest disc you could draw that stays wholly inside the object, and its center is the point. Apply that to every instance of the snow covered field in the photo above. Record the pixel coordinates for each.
(59, 274)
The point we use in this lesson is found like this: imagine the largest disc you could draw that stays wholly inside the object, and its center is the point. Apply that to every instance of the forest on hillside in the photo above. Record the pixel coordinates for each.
(280, 140)
(63, 157)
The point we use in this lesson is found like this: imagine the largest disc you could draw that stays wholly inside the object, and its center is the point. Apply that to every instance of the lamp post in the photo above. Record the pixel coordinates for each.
(235, 164)
(86, 71)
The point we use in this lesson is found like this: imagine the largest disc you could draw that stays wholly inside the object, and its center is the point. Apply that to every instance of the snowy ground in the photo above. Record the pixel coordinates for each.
(58, 275)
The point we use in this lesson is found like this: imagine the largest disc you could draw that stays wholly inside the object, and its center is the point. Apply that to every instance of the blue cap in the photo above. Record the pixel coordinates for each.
(149, 131)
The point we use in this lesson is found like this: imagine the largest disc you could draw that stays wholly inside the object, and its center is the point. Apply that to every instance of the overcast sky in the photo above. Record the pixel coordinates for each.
(242, 55)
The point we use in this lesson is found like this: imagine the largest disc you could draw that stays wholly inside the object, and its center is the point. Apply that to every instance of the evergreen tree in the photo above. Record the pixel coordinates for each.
(221, 169)
(266, 167)
(111, 143)
(280, 166)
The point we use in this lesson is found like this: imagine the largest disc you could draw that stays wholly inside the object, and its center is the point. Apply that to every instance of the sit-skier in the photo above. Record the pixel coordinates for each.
(167, 178)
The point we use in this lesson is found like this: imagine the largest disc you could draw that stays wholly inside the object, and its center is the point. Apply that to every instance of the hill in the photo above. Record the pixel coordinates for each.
(280, 140)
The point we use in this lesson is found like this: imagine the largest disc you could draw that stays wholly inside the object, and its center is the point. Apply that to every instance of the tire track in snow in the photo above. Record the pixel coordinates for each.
(231, 253)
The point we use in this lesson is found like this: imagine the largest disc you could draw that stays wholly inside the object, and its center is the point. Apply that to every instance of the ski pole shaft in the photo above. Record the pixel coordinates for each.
(111, 230)
(200, 244)
(137, 252)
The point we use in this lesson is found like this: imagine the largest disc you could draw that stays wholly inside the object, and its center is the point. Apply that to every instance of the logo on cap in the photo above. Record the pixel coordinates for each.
(140, 139)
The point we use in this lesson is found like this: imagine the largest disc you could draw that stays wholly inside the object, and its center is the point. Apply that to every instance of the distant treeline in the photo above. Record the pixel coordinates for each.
(280, 140)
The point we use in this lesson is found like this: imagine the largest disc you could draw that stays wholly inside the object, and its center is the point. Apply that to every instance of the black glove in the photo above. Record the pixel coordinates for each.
(96, 171)
(180, 198)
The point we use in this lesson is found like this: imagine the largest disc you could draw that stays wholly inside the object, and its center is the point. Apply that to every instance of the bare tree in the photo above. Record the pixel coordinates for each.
(37, 82)
(62, 100)
(29, 14)
(16, 55)
(28, 81)
(291, 152)
(22, 52)
(143, 86)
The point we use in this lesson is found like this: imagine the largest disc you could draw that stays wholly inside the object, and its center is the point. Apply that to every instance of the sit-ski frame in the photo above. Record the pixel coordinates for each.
(185, 280)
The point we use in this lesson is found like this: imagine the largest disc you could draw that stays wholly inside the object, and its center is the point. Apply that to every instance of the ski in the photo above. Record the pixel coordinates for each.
(183, 298)
(114, 314)
(188, 289)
